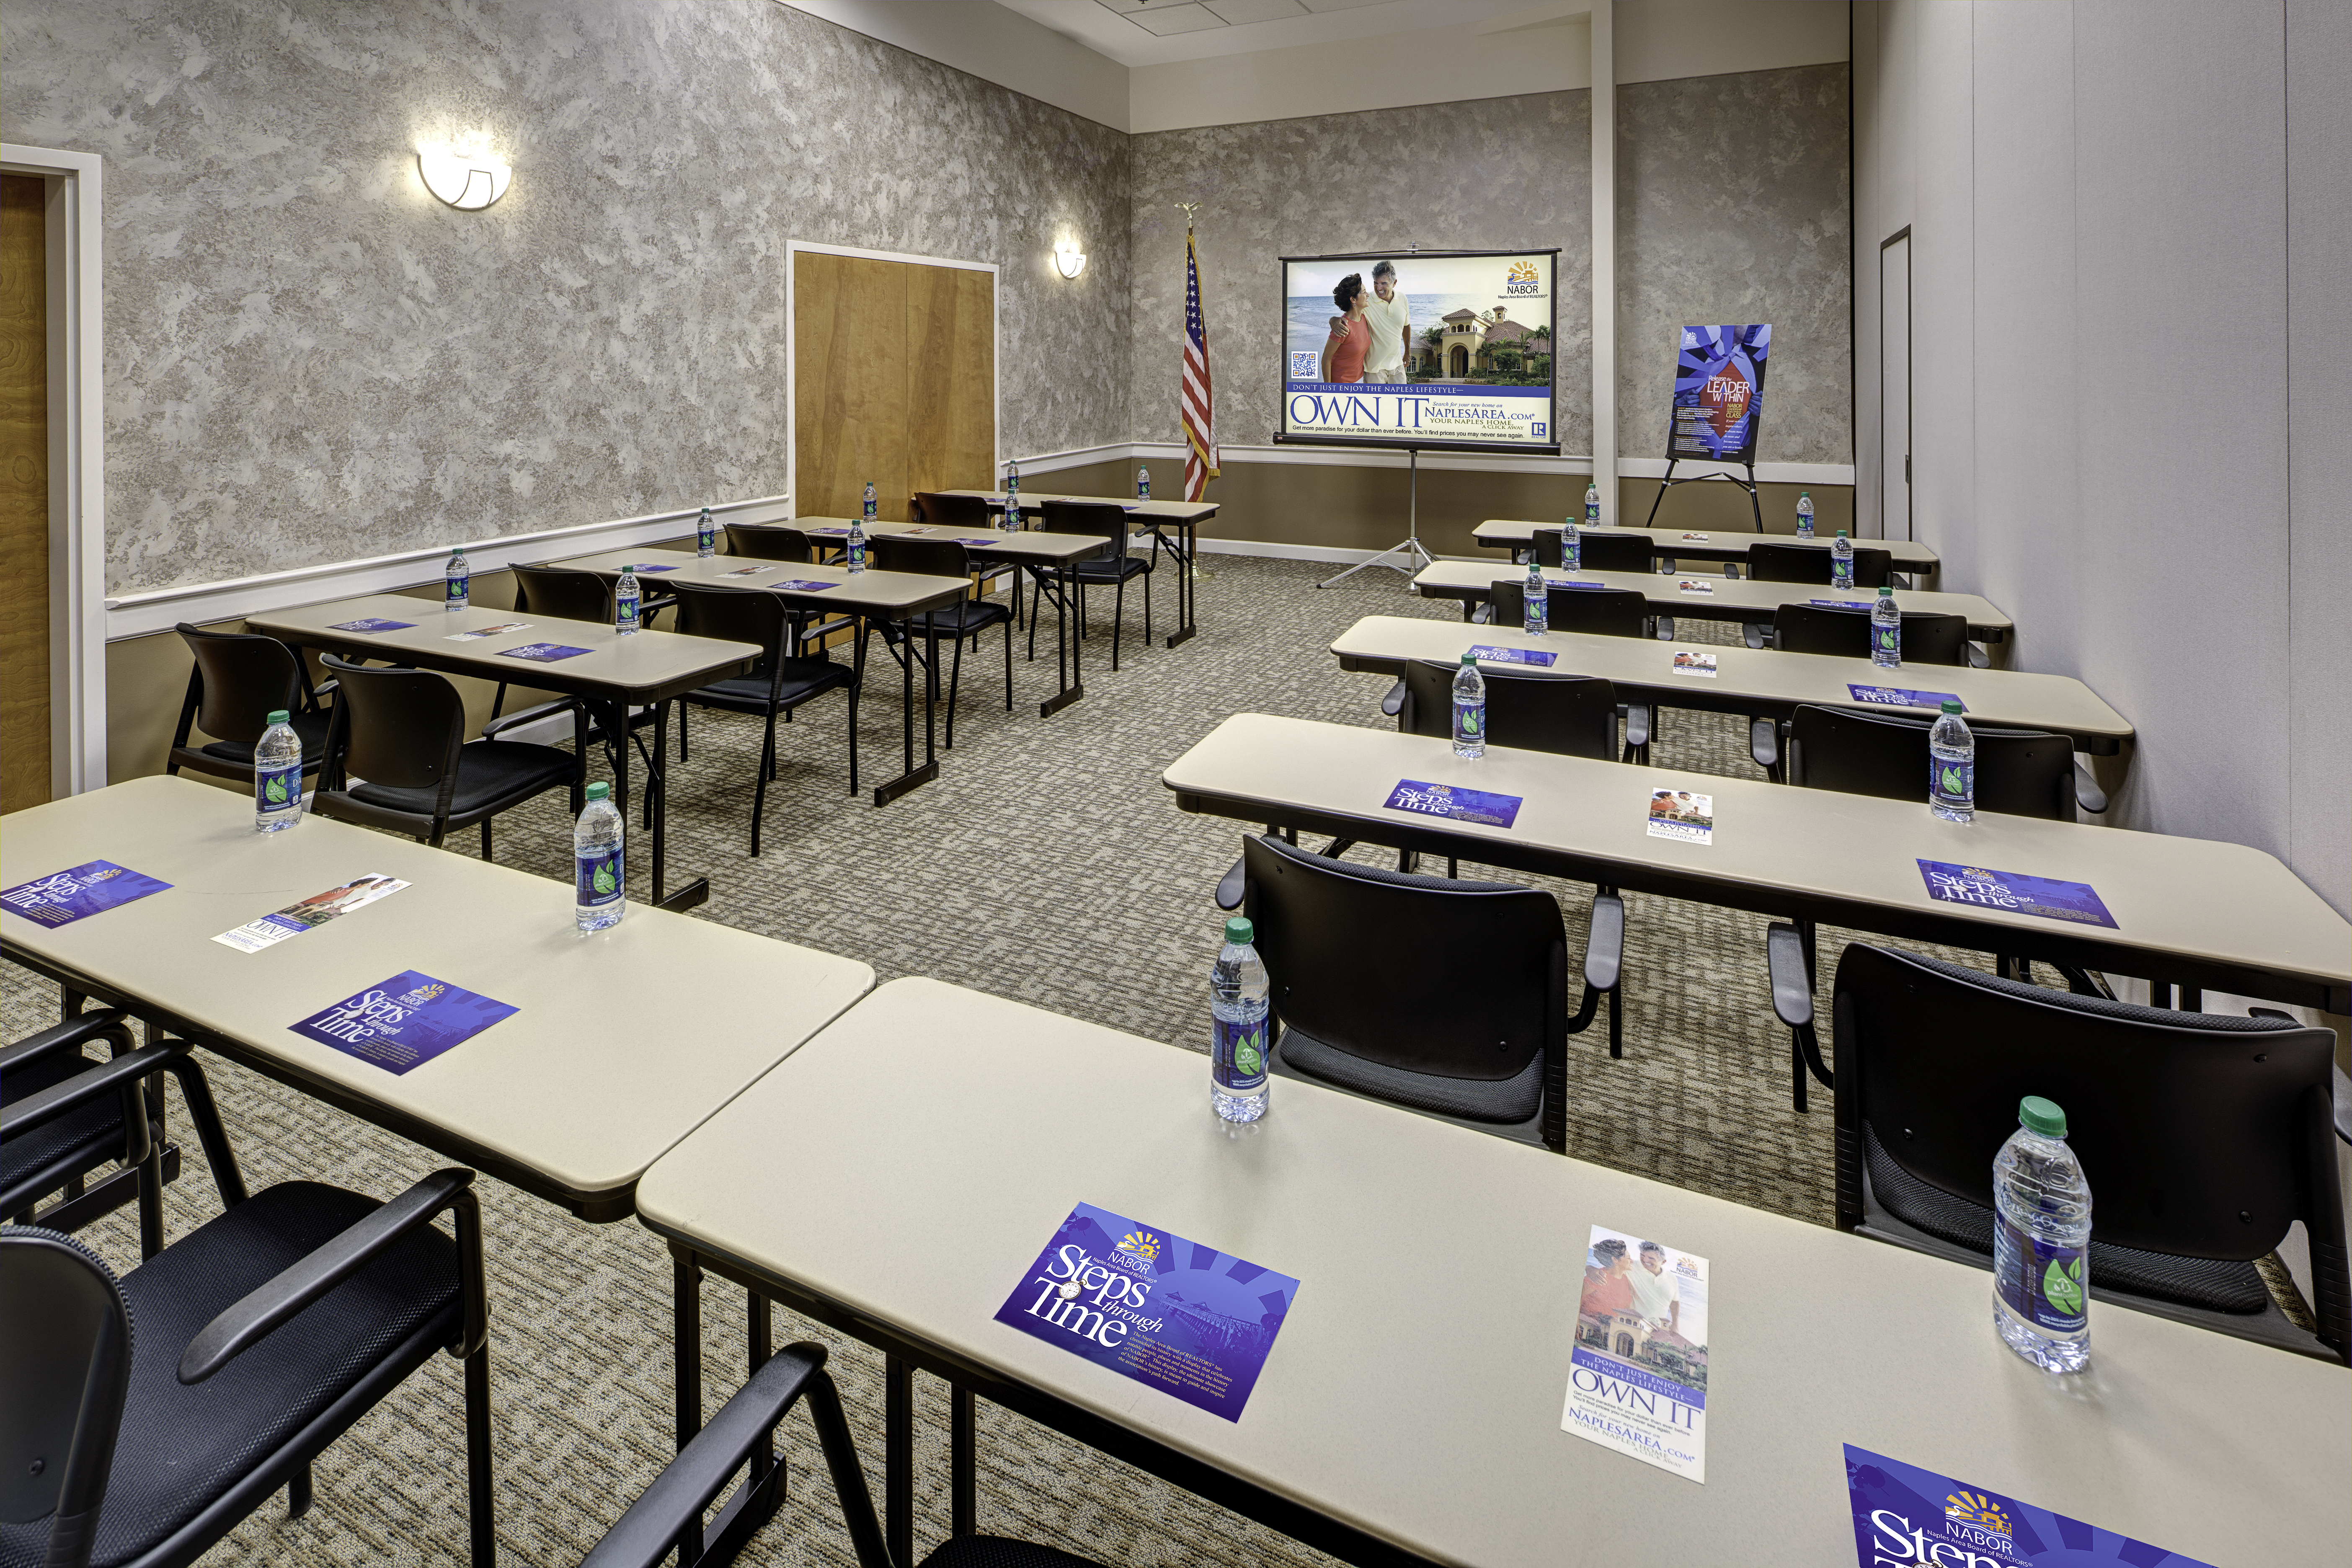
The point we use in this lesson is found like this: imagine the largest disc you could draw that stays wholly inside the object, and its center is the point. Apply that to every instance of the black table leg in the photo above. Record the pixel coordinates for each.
(756, 1500)
(1189, 533)
(686, 1335)
(1064, 596)
(963, 1440)
(898, 1457)
(914, 777)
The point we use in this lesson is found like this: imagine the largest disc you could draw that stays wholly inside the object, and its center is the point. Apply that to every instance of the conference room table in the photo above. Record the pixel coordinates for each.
(894, 597)
(1175, 524)
(1728, 545)
(1741, 599)
(625, 1040)
(1758, 682)
(1410, 1409)
(644, 669)
(2190, 911)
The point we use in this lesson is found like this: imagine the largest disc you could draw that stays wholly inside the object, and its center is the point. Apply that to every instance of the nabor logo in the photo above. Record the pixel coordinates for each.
(1140, 1243)
(423, 994)
(1523, 271)
(1975, 1508)
(1523, 279)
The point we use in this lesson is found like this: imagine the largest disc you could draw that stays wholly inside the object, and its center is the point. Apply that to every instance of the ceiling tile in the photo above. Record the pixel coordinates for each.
(1168, 20)
(1240, 12)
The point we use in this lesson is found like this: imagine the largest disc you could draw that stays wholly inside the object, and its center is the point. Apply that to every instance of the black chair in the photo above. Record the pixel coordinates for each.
(1769, 562)
(966, 618)
(766, 542)
(402, 733)
(1929, 636)
(1601, 552)
(951, 511)
(780, 683)
(117, 1450)
(63, 1116)
(1114, 566)
(2203, 1136)
(238, 681)
(1596, 612)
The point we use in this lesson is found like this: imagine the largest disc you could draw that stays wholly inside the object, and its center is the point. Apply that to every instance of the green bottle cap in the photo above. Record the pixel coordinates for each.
(1840, 533)
(599, 792)
(1951, 705)
(1239, 931)
(1886, 591)
(278, 716)
(1469, 656)
(2036, 1114)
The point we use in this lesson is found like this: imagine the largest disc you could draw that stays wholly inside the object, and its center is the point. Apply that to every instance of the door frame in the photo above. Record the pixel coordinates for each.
(1910, 397)
(792, 248)
(77, 349)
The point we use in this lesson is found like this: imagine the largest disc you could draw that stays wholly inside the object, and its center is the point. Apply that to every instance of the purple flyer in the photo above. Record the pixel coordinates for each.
(1841, 604)
(407, 1020)
(653, 568)
(1572, 582)
(2015, 892)
(1902, 1514)
(1904, 697)
(372, 624)
(803, 586)
(1460, 804)
(541, 652)
(1485, 655)
(842, 531)
(1176, 1315)
(65, 897)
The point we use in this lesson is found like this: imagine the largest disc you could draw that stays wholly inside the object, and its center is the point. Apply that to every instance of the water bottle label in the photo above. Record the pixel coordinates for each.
(1887, 640)
(857, 555)
(598, 874)
(454, 592)
(1239, 1062)
(2047, 1285)
(625, 613)
(1841, 572)
(1469, 721)
(1952, 783)
(277, 790)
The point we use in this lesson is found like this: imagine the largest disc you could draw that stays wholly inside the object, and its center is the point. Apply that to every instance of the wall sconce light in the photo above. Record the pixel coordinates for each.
(1068, 259)
(467, 174)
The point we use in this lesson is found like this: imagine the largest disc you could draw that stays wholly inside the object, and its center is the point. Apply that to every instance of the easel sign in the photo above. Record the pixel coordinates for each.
(1718, 405)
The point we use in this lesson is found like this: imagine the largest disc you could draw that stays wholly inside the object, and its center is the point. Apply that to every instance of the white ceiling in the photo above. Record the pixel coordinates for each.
(1160, 32)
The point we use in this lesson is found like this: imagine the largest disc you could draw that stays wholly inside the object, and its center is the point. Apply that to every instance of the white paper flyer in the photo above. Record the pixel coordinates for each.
(1679, 815)
(1637, 1378)
(311, 914)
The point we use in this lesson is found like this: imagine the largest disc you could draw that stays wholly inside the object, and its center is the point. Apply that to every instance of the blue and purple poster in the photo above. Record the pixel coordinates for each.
(404, 1022)
(2016, 892)
(65, 897)
(1456, 805)
(1718, 394)
(372, 624)
(1902, 1514)
(1487, 654)
(541, 652)
(1904, 697)
(1177, 1315)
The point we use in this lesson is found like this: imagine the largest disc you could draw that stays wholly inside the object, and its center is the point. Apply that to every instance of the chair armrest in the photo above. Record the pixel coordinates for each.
(70, 1034)
(1230, 887)
(1792, 992)
(1978, 658)
(2343, 1106)
(1764, 742)
(1483, 616)
(1637, 724)
(267, 1307)
(674, 1503)
(2088, 795)
(1393, 703)
(1604, 942)
(1752, 633)
(102, 1078)
(531, 715)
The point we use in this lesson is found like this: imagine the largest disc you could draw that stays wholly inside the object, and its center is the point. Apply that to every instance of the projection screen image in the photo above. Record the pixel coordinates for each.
(1433, 349)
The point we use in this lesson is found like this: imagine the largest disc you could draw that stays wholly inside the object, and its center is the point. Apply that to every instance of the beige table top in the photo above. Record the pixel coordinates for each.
(1708, 544)
(911, 1161)
(644, 661)
(892, 595)
(1848, 859)
(627, 1039)
(1143, 511)
(1757, 679)
(1045, 547)
(1723, 599)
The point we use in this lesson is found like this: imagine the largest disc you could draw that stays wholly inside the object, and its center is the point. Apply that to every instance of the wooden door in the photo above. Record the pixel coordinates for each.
(24, 494)
(950, 378)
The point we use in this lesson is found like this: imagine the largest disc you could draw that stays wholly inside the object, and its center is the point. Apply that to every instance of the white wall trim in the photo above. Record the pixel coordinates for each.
(79, 524)
(138, 615)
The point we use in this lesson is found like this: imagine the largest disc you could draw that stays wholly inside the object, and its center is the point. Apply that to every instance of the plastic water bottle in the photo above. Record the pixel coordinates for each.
(2041, 1242)
(1840, 561)
(1886, 632)
(1013, 489)
(853, 557)
(599, 889)
(457, 582)
(1805, 514)
(1237, 1013)
(627, 598)
(1592, 505)
(1142, 483)
(1952, 767)
(867, 513)
(277, 776)
(706, 536)
(1470, 709)
(1572, 548)
(1535, 619)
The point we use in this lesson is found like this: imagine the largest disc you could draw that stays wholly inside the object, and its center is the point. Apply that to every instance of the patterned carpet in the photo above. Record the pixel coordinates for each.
(1046, 864)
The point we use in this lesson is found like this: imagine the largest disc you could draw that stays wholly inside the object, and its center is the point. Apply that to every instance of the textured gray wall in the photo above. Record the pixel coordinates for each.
(1733, 205)
(1486, 174)
(309, 359)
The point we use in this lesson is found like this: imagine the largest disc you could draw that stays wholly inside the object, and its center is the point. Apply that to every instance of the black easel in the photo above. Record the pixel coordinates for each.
(1748, 484)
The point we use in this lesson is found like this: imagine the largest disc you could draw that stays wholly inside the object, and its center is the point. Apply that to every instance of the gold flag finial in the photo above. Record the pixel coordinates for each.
(1188, 209)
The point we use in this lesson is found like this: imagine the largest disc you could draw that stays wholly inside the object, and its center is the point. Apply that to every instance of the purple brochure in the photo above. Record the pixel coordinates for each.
(65, 897)
(1904, 697)
(1486, 655)
(842, 532)
(1907, 1515)
(1572, 582)
(1841, 604)
(407, 1020)
(372, 624)
(541, 652)
(803, 586)
(653, 568)
(2015, 892)
(1460, 804)
(1176, 1315)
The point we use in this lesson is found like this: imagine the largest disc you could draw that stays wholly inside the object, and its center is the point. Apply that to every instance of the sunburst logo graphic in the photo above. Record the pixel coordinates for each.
(1140, 1243)
(1975, 1508)
(423, 993)
(102, 876)
(1523, 272)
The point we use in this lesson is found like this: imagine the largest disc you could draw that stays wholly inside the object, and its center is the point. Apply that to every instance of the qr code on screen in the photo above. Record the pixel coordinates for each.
(1306, 365)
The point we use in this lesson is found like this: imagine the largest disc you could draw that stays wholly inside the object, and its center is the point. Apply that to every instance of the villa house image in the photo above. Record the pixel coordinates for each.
(1467, 346)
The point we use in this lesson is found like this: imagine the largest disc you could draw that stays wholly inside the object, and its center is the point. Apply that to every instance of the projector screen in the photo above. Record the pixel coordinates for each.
(1458, 354)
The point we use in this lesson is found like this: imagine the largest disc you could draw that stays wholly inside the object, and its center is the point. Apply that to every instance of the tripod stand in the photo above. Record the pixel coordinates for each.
(1417, 555)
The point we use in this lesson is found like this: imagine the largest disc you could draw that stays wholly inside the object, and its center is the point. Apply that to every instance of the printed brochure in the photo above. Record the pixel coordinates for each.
(642, 569)
(840, 532)
(1678, 814)
(1572, 582)
(1693, 585)
(747, 571)
(1172, 1314)
(1903, 1515)
(803, 586)
(1637, 1375)
(2016, 892)
(500, 630)
(1485, 654)
(311, 914)
(541, 652)
(1841, 604)
(1696, 538)
(1904, 697)
(372, 624)
(1458, 804)
(63, 897)
(404, 1022)
(1701, 665)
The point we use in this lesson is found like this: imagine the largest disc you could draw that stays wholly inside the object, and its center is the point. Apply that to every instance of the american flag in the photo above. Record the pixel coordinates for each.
(1200, 419)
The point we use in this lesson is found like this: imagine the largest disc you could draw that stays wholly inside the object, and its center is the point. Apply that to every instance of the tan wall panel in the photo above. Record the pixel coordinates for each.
(24, 494)
(951, 381)
(849, 373)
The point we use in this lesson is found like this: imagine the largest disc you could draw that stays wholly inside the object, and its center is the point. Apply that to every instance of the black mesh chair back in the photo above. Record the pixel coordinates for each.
(1532, 710)
(65, 1372)
(1597, 612)
(1104, 518)
(562, 592)
(768, 543)
(924, 557)
(1769, 562)
(399, 728)
(1597, 551)
(1348, 952)
(1929, 636)
(957, 511)
(2203, 1136)
(2024, 772)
